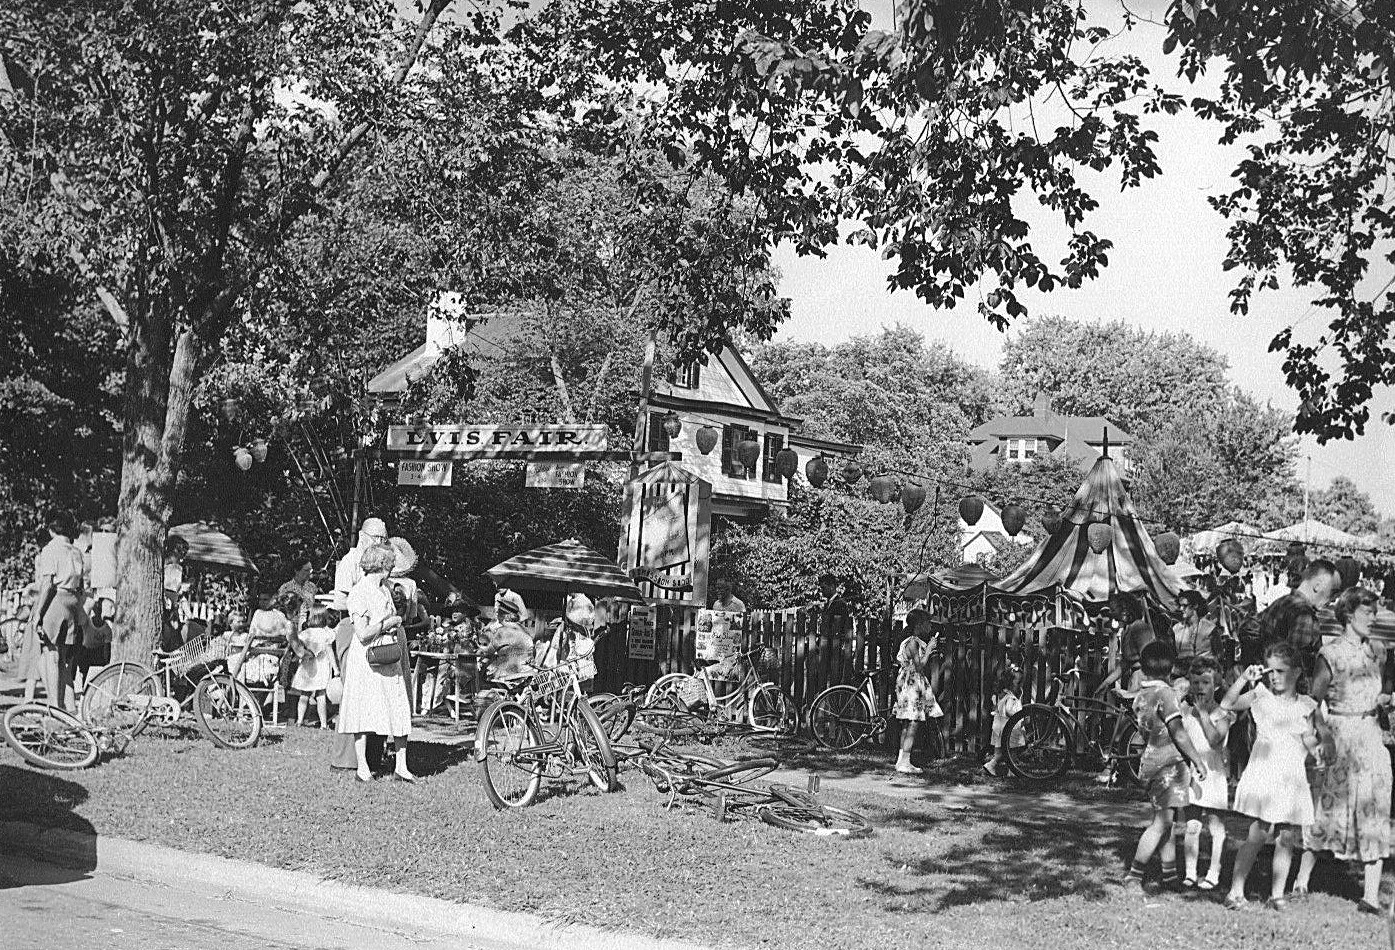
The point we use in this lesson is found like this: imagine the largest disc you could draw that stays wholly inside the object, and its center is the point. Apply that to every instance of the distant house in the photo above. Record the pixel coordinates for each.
(987, 537)
(1018, 440)
(719, 392)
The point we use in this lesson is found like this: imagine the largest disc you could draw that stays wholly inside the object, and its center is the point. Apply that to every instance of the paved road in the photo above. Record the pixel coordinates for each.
(43, 906)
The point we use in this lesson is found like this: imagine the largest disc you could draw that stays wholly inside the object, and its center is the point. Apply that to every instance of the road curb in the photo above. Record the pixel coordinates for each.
(306, 893)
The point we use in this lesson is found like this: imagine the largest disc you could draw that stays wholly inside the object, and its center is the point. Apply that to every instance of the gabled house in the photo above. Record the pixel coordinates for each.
(719, 392)
(987, 536)
(1018, 440)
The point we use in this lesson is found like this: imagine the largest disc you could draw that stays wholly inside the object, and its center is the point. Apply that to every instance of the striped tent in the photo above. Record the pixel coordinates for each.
(568, 567)
(1129, 565)
(209, 546)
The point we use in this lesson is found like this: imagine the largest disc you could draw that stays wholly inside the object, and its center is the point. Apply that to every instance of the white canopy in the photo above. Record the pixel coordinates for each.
(1314, 531)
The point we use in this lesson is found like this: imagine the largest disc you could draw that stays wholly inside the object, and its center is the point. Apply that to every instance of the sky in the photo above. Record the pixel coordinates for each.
(1164, 274)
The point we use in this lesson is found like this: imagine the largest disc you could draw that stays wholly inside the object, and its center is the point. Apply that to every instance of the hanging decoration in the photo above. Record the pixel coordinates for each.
(912, 497)
(242, 458)
(882, 488)
(748, 452)
(259, 449)
(672, 425)
(1100, 536)
(1014, 518)
(1051, 519)
(971, 509)
(1231, 554)
(852, 472)
(706, 440)
(1169, 546)
(786, 462)
(816, 470)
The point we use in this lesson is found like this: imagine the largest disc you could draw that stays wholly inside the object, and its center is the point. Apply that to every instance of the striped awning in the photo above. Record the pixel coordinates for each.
(208, 545)
(567, 567)
(1129, 565)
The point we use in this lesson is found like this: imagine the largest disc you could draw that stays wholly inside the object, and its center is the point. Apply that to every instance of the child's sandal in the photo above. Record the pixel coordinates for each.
(1206, 884)
(1188, 883)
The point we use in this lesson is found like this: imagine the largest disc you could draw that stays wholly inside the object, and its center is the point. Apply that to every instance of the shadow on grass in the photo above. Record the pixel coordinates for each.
(431, 758)
(47, 801)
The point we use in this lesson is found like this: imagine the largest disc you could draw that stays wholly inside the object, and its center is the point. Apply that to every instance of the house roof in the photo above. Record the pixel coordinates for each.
(1087, 429)
(492, 331)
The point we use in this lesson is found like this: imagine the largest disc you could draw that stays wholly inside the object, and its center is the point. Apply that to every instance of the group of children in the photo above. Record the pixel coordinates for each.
(1185, 769)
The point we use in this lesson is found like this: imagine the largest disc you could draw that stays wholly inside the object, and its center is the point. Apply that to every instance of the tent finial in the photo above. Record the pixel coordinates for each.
(1104, 449)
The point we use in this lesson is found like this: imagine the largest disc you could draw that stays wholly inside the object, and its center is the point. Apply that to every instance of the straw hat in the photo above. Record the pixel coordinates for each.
(406, 557)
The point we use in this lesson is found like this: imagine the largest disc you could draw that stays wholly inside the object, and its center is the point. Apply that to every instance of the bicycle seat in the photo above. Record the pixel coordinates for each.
(876, 670)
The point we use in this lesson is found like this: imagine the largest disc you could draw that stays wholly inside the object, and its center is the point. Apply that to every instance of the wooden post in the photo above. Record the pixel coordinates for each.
(646, 386)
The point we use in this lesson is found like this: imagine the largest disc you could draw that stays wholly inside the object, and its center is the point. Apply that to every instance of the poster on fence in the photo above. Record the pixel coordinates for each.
(718, 633)
(641, 633)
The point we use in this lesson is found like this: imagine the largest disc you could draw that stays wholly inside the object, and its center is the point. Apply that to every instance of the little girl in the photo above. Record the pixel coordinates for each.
(1274, 789)
(915, 700)
(1207, 725)
(1006, 704)
(316, 664)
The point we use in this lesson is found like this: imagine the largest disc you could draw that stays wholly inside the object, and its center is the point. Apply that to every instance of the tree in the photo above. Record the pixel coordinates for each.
(167, 151)
(1346, 507)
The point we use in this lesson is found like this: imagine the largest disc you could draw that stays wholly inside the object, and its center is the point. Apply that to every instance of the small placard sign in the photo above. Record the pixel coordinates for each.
(718, 633)
(641, 633)
(424, 474)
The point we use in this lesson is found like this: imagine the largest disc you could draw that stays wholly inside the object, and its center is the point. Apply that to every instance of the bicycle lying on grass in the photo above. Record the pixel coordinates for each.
(50, 738)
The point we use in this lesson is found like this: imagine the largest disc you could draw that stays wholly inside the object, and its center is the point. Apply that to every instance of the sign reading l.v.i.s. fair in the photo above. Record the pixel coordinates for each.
(491, 441)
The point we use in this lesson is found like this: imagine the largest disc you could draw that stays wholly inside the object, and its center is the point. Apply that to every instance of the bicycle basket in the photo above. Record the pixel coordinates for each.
(767, 662)
(555, 680)
(199, 651)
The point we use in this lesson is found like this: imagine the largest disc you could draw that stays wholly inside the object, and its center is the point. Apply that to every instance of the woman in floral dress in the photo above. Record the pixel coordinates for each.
(1352, 796)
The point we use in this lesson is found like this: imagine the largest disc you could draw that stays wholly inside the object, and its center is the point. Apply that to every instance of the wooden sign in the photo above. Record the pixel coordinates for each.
(665, 535)
(642, 633)
(495, 441)
(718, 634)
(571, 477)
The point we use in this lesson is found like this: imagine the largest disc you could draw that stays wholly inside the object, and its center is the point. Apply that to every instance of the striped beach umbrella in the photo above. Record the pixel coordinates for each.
(1129, 564)
(209, 546)
(567, 567)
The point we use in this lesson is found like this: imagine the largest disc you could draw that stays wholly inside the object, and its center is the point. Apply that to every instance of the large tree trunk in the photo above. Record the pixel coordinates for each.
(159, 392)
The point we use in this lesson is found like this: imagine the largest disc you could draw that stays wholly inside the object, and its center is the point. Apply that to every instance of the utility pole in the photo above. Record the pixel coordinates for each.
(646, 385)
(1307, 489)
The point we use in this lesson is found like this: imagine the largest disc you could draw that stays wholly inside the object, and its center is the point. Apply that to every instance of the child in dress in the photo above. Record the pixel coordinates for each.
(1207, 725)
(915, 700)
(1168, 766)
(317, 664)
(1006, 704)
(1274, 789)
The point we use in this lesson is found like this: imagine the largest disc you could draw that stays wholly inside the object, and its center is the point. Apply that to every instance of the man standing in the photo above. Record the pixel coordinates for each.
(726, 599)
(1294, 617)
(346, 572)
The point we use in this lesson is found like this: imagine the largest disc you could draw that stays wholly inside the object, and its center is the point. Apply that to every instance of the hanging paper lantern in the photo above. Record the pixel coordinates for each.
(786, 462)
(882, 488)
(816, 470)
(706, 440)
(1169, 546)
(748, 451)
(1100, 536)
(242, 458)
(259, 451)
(1231, 554)
(1051, 519)
(971, 509)
(231, 406)
(912, 497)
(672, 425)
(1014, 517)
(851, 472)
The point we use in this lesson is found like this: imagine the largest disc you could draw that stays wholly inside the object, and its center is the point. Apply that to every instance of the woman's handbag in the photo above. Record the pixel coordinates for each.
(386, 652)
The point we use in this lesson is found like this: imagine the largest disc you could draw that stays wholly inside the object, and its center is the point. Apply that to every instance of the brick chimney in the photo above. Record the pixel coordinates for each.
(1041, 407)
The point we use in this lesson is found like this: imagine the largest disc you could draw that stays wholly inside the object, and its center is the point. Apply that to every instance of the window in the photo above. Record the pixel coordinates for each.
(658, 438)
(1019, 450)
(687, 376)
(773, 444)
(732, 466)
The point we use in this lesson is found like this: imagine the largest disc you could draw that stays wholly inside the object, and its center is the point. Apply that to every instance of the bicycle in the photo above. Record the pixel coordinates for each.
(546, 729)
(127, 697)
(1068, 727)
(842, 717)
(51, 738)
(727, 792)
(758, 705)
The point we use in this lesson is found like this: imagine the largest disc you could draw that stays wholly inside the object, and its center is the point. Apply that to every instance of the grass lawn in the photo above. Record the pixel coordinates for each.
(928, 878)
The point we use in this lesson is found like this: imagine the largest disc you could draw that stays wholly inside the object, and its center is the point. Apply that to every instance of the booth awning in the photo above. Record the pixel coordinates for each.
(566, 567)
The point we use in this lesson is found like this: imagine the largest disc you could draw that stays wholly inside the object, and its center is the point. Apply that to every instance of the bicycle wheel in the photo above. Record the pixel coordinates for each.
(742, 771)
(504, 746)
(226, 712)
(594, 746)
(818, 820)
(616, 714)
(770, 710)
(49, 737)
(120, 698)
(1036, 743)
(669, 685)
(1128, 751)
(840, 718)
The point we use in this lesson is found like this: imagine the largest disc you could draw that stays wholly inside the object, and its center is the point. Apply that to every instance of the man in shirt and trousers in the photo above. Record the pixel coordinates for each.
(726, 598)
(1294, 617)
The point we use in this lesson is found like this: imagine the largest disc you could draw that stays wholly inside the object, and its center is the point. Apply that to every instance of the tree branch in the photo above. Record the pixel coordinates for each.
(560, 382)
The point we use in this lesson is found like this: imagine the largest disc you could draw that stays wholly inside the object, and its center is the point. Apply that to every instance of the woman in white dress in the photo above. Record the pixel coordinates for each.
(375, 697)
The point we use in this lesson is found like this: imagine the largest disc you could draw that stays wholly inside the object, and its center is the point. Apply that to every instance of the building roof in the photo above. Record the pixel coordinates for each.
(1086, 429)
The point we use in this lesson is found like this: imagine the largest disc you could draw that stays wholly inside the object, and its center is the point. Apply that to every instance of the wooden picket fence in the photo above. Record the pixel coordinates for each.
(1046, 635)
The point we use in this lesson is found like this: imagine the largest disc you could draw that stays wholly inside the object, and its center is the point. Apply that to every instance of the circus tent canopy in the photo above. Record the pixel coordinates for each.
(1129, 565)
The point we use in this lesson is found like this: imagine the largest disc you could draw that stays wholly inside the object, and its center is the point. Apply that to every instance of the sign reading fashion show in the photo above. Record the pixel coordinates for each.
(424, 474)
(542, 475)
(491, 441)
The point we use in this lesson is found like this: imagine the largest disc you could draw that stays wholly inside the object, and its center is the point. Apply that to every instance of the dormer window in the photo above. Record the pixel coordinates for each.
(1020, 450)
(687, 375)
